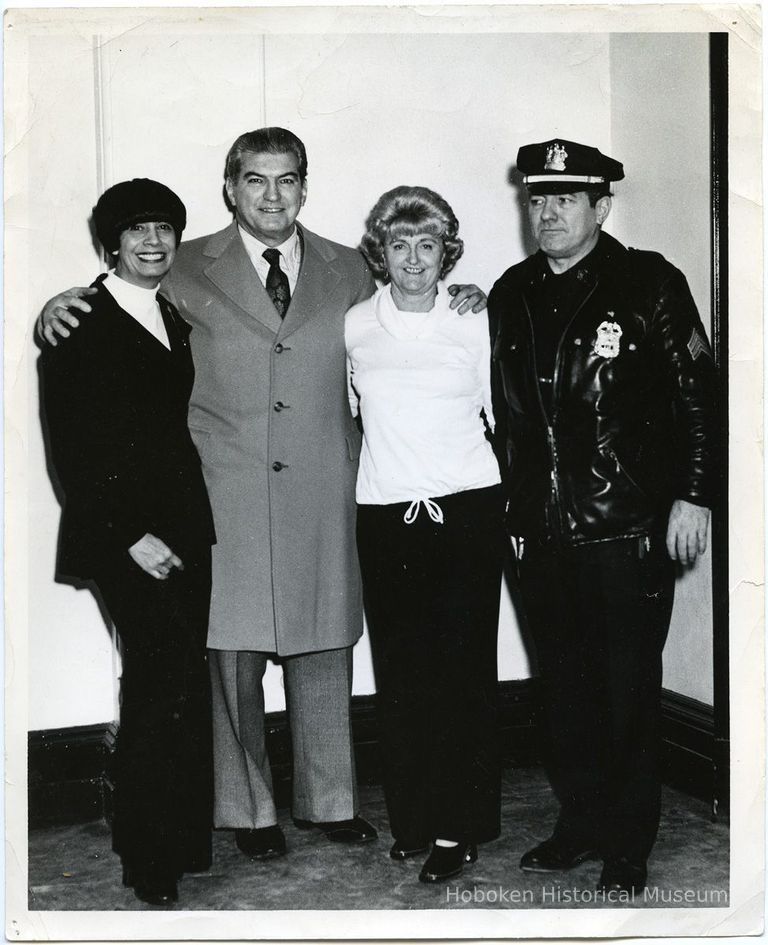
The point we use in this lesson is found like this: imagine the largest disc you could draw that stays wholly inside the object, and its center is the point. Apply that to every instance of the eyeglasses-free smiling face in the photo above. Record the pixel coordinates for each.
(268, 195)
(414, 264)
(565, 226)
(146, 253)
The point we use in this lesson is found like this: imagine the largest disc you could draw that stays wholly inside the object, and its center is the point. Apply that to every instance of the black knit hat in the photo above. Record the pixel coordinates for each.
(136, 201)
(557, 165)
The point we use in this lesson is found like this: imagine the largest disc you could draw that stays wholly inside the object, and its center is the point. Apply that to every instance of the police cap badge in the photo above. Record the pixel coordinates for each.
(549, 165)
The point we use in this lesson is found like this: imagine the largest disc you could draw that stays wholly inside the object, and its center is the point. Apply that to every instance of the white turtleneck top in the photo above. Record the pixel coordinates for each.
(419, 381)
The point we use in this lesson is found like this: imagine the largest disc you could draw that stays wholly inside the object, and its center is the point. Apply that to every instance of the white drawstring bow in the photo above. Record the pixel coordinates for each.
(433, 510)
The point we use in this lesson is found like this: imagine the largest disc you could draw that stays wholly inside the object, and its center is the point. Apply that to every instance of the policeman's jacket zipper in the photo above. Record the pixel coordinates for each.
(550, 426)
(621, 469)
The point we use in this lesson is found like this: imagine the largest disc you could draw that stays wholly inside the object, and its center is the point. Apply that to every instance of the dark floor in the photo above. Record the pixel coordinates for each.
(73, 868)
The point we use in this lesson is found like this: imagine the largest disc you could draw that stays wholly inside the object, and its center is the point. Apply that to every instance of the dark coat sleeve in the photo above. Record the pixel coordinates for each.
(687, 364)
(92, 426)
(498, 400)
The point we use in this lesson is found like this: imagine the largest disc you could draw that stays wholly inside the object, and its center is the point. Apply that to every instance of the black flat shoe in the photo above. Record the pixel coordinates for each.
(355, 830)
(553, 856)
(404, 850)
(445, 862)
(154, 891)
(263, 843)
(621, 875)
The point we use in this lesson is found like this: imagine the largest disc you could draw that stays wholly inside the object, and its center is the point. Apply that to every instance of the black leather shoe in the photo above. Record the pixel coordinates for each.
(156, 894)
(445, 862)
(356, 830)
(621, 875)
(404, 850)
(264, 843)
(153, 891)
(553, 856)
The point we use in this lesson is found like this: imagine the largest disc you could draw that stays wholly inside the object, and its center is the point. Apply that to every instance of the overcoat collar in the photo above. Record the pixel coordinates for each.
(231, 270)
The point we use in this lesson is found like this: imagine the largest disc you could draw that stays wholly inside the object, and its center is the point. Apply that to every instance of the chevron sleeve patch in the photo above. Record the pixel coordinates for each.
(697, 344)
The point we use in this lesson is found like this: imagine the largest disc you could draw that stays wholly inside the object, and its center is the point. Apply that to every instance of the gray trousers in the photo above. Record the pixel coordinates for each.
(318, 688)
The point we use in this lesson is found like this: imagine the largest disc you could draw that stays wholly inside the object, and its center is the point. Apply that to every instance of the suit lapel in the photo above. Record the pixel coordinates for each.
(177, 329)
(318, 278)
(232, 272)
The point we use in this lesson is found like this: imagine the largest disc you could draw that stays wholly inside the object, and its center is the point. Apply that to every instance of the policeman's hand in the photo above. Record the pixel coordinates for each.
(155, 557)
(687, 531)
(466, 297)
(55, 316)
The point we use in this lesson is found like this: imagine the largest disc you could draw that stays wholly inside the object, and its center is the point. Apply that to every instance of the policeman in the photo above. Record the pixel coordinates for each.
(603, 381)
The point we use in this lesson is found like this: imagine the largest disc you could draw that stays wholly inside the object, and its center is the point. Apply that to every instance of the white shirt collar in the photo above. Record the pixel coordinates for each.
(289, 249)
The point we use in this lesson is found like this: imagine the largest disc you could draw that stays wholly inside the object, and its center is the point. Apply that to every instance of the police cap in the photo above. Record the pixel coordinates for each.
(558, 165)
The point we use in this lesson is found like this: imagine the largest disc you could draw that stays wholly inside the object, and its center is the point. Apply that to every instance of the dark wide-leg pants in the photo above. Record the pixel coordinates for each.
(599, 615)
(432, 600)
(162, 771)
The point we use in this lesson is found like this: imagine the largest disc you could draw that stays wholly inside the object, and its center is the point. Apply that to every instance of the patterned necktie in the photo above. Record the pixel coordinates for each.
(277, 282)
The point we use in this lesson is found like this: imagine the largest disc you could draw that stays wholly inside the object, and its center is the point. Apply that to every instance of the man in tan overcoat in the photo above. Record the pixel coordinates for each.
(279, 448)
(270, 417)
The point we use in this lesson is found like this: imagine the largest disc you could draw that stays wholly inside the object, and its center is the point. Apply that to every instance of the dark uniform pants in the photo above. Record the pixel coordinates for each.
(162, 769)
(600, 615)
(432, 600)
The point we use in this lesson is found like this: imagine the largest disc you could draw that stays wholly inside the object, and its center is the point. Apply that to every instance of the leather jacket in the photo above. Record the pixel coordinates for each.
(631, 422)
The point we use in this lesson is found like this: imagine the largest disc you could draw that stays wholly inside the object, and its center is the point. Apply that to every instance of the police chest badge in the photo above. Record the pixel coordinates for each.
(608, 337)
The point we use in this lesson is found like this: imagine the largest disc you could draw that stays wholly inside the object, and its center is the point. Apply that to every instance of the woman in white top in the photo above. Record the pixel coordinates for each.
(429, 533)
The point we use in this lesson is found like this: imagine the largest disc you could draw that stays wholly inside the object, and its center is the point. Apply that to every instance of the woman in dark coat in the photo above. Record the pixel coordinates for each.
(137, 521)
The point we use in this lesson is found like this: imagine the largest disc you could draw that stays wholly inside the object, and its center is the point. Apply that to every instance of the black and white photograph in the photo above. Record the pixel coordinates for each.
(384, 472)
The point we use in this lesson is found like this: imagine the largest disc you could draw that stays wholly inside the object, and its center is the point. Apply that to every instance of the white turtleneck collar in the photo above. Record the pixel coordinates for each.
(410, 325)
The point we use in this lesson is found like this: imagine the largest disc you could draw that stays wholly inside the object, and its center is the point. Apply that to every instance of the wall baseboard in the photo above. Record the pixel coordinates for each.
(693, 760)
(67, 773)
(68, 783)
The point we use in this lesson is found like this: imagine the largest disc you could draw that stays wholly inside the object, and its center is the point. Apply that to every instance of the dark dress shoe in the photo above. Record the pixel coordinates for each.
(356, 830)
(553, 856)
(264, 843)
(404, 850)
(156, 894)
(445, 862)
(621, 875)
(154, 890)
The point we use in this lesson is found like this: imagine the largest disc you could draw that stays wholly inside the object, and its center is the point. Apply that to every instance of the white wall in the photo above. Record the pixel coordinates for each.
(660, 129)
(447, 111)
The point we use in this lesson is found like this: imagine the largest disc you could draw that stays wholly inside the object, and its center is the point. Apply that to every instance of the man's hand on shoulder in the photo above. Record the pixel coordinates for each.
(466, 297)
(687, 531)
(56, 318)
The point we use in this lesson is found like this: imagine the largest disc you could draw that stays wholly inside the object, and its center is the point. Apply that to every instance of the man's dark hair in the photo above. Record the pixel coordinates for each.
(595, 193)
(269, 141)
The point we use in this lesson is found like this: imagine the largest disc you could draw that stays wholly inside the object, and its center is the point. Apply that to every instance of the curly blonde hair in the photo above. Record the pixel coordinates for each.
(408, 211)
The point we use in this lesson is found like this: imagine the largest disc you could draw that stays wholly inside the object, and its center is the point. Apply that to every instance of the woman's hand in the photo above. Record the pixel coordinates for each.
(155, 557)
(55, 315)
(466, 297)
